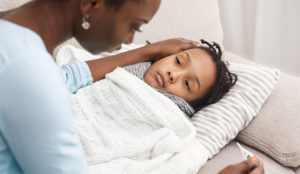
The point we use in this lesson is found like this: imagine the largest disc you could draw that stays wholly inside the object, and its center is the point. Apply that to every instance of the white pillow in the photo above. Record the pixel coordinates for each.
(219, 123)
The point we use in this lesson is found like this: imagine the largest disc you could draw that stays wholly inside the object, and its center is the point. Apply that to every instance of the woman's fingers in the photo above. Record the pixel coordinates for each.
(259, 169)
(183, 44)
(189, 44)
(248, 165)
(168, 47)
(252, 166)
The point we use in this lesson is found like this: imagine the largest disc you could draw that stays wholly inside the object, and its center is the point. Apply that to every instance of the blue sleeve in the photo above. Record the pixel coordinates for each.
(36, 119)
(76, 75)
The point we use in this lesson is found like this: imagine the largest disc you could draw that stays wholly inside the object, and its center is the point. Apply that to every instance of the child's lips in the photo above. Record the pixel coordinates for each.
(160, 79)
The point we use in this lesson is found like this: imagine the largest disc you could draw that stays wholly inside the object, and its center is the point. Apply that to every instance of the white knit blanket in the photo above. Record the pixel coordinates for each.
(127, 127)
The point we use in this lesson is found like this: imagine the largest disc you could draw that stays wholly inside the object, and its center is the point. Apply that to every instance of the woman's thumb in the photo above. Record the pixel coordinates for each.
(250, 164)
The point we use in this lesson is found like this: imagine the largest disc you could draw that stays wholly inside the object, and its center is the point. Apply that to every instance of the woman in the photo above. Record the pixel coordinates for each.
(37, 134)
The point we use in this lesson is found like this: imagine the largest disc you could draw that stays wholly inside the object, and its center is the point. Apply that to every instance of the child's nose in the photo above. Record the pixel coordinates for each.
(172, 77)
(176, 75)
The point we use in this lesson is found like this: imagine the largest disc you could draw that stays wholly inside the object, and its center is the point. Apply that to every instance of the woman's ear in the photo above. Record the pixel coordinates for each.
(89, 7)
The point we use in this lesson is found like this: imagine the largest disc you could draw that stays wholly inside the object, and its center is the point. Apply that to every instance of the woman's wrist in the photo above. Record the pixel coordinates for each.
(148, 53)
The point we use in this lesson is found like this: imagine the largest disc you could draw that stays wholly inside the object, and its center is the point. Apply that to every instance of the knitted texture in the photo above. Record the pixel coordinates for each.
(125, 126)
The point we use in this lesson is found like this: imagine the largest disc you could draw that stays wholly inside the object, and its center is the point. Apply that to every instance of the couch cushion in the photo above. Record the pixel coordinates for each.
(8, 4)
(193, 20)
(231, 155)
(276, 129)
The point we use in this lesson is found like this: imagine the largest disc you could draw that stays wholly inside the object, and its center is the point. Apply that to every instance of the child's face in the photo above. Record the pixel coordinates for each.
(188, 74)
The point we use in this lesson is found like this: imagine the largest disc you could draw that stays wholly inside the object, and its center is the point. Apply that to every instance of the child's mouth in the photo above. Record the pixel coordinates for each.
(160, 79)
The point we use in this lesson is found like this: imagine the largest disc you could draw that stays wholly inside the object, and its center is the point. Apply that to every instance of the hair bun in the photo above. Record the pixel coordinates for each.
(215, 48)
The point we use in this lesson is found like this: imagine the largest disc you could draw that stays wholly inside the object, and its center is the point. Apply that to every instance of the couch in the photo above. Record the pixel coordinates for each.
(274, 134)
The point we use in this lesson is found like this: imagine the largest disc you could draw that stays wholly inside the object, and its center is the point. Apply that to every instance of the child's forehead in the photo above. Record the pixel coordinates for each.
(196, 53)
(197, 50)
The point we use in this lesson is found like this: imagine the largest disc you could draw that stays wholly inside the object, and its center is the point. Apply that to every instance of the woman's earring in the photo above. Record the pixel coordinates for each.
(85, 23)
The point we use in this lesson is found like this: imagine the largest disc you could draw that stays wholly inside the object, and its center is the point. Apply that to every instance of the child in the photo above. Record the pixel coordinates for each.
(126, 126)
(192, 79)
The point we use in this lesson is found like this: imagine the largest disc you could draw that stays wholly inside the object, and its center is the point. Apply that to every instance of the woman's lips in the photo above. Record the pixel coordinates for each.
(160, 79)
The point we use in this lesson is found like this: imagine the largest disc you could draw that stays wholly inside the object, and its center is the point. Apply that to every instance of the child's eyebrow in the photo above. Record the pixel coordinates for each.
(188, 56)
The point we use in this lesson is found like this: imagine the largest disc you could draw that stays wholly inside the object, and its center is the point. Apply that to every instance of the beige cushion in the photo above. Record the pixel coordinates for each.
(231, 155)
(276, 129)
(8, 4)
(195, 20)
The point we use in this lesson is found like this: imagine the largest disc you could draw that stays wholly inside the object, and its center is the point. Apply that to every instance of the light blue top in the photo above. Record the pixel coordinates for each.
(37, 132)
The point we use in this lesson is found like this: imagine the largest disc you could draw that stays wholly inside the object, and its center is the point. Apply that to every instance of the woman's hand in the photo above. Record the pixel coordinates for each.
(172, 46)
(245, 167)
(100, 67)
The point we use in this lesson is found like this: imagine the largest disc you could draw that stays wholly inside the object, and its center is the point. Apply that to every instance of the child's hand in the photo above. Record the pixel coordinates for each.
(245, 167)
(172, 46)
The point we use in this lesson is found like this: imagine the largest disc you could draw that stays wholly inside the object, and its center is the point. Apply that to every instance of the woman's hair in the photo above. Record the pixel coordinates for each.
(112, 3)
(118, 3)
(224, 79)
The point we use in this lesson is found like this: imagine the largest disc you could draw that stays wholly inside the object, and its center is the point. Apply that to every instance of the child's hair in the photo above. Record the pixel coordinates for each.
(224, 79)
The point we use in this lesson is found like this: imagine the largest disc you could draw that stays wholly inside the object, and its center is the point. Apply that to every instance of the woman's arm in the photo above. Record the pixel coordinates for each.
(77, 75)
(37, 130)
(100, 67)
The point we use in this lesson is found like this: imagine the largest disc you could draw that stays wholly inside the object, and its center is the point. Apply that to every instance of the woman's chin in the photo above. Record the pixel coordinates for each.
(114, 49)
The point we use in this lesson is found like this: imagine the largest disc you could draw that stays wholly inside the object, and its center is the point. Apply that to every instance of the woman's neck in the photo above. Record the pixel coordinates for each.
(4, 13)
(52, 21)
